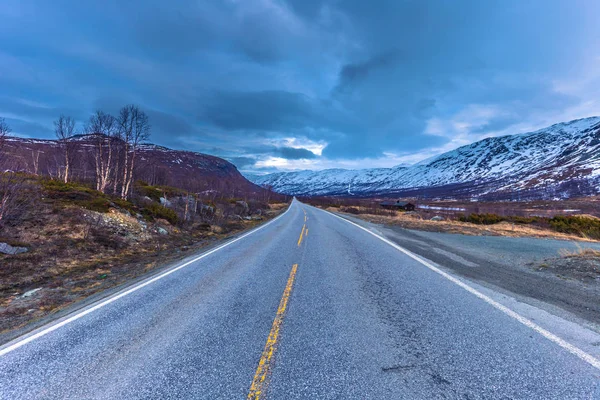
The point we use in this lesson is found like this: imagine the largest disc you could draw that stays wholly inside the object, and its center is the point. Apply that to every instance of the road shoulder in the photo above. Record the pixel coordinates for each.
(502, 265)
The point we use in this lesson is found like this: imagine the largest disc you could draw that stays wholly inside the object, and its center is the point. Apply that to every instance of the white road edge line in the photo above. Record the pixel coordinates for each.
(593, 361)
(54, 326)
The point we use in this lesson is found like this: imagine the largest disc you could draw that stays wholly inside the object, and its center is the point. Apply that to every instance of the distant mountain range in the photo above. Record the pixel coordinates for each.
(157, 165)
(560, 161)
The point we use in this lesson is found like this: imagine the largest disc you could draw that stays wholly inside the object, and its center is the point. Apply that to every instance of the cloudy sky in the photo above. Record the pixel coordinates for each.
(304, 84)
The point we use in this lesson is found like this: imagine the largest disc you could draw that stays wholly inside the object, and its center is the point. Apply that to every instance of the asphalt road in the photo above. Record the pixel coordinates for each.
(308, 306)
(506, 263)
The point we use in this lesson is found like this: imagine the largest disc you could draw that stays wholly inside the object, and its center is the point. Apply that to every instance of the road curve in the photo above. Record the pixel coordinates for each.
(308, 306)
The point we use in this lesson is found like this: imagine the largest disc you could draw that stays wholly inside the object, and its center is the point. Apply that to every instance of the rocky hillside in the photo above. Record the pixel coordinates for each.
(156, 165)
(560, 161)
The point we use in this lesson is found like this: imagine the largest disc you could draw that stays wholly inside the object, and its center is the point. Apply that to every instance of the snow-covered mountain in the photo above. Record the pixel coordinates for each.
(559, 161)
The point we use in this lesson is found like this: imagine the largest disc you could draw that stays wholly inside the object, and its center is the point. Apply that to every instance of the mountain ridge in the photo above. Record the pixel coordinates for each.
(562, 160)
(155, 164)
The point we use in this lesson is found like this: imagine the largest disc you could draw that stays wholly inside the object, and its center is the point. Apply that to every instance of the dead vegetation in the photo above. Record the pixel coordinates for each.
(582, 264)
(81, 241)
(581, 252)
(488, 225)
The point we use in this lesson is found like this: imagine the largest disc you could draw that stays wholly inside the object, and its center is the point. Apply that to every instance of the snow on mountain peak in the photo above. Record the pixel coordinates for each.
(550, 157)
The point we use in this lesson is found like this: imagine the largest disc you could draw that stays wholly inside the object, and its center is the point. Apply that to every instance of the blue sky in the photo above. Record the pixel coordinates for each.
(302, 84)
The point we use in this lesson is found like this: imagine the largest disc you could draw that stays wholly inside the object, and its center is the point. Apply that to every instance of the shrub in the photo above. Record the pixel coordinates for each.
(99, 204)
(70, 190)
(583, 226)
(155, 211)
(77, 194)
(524, 220)
(156, 192)
(143, 189)
(125, 204)
(482, 219)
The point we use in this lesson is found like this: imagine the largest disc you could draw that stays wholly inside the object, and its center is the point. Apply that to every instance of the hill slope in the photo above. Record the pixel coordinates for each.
(156, 165)
(562, 160)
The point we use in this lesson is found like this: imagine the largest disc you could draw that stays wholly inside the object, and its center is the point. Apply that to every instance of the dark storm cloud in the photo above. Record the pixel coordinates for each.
(265, 110)
(272, 111)
(363, 79)
(352, 73)
(292, 153)
(242, 162)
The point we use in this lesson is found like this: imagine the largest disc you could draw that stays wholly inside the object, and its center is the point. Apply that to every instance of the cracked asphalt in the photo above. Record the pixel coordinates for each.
(363, 320)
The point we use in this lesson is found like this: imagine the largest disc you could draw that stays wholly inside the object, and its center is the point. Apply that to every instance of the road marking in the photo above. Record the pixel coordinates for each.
(10, 346)
(301, 235)
(306, 233)
(263, 371)
(593, 361)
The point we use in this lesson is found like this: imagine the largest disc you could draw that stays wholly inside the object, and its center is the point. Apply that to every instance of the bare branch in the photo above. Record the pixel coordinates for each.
(135, 128)
(104, 129)
(16, 197)
(64, 128)
(4, 132)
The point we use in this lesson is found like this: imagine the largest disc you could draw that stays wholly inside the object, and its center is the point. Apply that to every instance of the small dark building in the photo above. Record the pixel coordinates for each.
(397, 205)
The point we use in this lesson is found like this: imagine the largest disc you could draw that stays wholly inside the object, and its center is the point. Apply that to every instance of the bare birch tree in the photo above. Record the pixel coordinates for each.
(4, 131)
(35, 161)
(118, 155)
(103, 127)
(134, 128)
(64, 129)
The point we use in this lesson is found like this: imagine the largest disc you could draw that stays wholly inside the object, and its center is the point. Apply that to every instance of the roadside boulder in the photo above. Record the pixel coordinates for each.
(165, 202)
(6, 248)
(437, 218)
(241, 207)
(31, 292)
(162, 231)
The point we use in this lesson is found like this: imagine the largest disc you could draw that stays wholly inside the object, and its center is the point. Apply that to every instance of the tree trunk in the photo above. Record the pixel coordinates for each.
(127, 183)
(125, 171)
(66, 165)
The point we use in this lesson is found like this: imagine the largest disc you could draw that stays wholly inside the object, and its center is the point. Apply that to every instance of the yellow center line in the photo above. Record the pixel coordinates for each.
(301, 235)
(263, 371)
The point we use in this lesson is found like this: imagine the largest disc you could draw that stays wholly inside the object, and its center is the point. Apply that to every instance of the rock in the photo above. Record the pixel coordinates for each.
(8, 249)
(207, 208)
(437, 218)
(162, 231)
(243, 205)
(31, 292)
(216, 229)
(165, 202)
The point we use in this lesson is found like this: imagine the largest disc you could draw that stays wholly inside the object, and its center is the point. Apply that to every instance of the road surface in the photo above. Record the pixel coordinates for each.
(307, 306)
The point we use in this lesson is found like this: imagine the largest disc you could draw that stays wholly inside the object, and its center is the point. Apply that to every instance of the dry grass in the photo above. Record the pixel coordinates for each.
(75, 253)
(580, 253)
(415, 221)
(277, 206)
